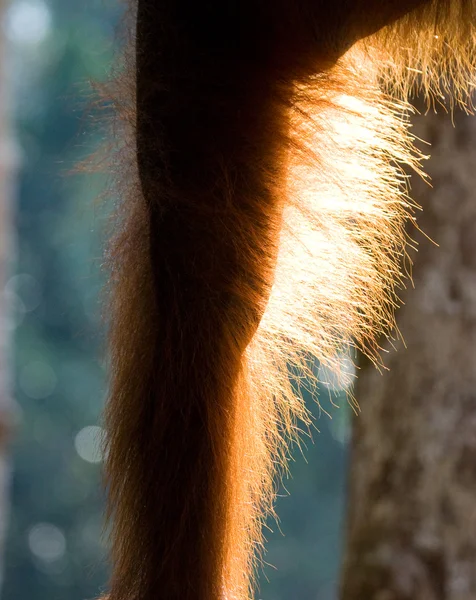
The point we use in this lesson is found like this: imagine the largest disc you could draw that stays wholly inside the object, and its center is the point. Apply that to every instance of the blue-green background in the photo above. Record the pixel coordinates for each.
(54, 548)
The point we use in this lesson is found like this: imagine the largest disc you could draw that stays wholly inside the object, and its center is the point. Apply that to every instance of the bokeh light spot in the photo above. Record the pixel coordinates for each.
(28, 22)
(338, 379)
(47, 542)
(27, 288)
(88, 443)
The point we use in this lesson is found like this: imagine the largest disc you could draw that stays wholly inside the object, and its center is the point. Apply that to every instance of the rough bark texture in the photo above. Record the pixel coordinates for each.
(412, 504)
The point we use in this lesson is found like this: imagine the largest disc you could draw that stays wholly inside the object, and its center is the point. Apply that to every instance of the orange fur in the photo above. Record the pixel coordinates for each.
(262, 229)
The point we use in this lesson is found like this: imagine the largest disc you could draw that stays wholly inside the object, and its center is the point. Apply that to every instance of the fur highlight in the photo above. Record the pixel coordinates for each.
(315, 247)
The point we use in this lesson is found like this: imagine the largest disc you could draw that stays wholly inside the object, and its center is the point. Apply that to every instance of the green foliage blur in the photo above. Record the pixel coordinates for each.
(56, 549)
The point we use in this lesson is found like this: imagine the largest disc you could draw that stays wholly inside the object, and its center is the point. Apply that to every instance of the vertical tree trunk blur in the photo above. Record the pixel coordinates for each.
(412, 505)
(7, 168)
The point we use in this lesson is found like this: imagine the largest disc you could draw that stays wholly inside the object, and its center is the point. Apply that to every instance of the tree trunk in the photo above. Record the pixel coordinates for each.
(412, 498)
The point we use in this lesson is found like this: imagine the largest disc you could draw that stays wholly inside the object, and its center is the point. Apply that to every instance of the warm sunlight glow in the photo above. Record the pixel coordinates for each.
(342, 254)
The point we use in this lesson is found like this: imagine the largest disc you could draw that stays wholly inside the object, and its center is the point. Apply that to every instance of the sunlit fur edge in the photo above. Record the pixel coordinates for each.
(339, 266)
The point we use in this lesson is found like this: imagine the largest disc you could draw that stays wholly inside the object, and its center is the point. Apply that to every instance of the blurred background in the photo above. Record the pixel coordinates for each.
(52, 385)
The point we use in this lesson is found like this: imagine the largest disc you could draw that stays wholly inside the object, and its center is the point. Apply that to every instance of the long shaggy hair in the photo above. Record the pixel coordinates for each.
(264, 198)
